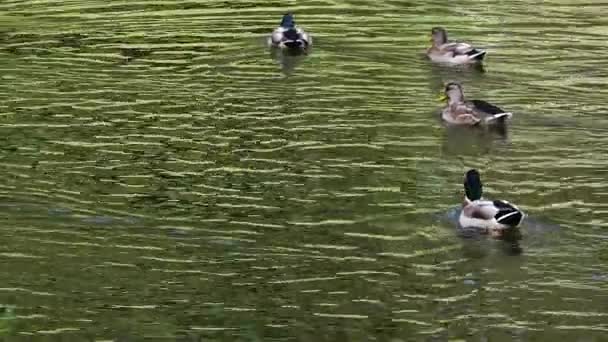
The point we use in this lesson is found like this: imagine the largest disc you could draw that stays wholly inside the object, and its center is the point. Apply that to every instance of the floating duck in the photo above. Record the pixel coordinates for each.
(492, 216)
(289, 36)
(458, 111)
(444, 51)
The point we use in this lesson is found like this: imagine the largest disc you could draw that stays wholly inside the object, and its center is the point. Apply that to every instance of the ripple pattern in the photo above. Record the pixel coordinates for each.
(166, 177)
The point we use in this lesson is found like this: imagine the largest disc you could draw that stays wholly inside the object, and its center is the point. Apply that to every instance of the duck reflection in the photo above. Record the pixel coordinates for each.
(462, 140)
(287, 59)
(509, 242)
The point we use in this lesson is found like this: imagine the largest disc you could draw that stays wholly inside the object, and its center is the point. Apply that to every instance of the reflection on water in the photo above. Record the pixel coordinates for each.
(463, 141)
(287, 59)
(163, 179)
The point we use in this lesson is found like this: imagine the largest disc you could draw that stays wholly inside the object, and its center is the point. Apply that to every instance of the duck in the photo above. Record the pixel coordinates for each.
(289, 36)
(444, 51)
(459, 111)
(491, 216)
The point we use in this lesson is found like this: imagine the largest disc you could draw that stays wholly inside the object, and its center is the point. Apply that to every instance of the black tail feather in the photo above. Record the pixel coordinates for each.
(479, 54)
(509, 218)
(507, 214)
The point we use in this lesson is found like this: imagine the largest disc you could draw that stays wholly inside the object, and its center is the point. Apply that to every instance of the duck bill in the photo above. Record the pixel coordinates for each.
(442, 98)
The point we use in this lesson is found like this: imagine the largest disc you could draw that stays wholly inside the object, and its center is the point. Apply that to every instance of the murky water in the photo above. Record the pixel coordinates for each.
(163, 177)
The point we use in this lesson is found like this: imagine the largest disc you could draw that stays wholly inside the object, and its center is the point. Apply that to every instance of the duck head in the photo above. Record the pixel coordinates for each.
(288, 21)
(472, 185)
(453, 93)
(439, 36)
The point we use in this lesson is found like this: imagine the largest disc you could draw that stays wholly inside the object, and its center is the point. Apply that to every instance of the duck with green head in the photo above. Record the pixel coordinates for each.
(492, 216)
(459, 111)
(290, 37)
(444, 51)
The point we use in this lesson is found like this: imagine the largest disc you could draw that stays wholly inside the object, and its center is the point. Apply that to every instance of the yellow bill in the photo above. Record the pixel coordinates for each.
(442, 97)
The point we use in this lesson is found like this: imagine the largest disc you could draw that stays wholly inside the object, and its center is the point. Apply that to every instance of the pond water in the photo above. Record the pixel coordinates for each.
(164, 177)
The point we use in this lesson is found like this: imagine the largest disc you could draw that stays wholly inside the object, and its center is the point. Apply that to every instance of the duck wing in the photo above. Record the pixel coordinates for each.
(492, 112)
(486, 107)
(483, 210)
(307, 38)
(507, 213)
(277, 35)
(462, 49)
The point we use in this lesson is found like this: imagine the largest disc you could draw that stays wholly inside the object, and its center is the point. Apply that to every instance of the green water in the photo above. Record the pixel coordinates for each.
(164, 177)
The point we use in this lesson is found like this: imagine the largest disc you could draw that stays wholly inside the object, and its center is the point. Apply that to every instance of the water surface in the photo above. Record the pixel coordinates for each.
(165, 177)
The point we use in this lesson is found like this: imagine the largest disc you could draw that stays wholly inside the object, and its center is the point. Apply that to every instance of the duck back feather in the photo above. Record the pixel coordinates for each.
(507, 214)
(495, 113)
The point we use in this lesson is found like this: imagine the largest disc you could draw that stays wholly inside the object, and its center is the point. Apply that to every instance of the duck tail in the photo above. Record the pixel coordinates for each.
(293, 39)
(508, 214)
(477, 54)
(498, 118)
(511, 218)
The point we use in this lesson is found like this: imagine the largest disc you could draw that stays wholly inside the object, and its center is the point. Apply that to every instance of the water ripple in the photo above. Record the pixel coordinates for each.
(159, 163)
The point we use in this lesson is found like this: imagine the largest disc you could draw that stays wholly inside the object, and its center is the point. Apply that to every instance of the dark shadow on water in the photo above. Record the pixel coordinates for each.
(44, 211)
(478, 246)
(131, 54)
(472, 140)
(457, 70)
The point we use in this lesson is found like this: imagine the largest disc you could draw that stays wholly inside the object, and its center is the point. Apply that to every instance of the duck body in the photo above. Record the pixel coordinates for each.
(459, 111)
(289, 36)
(444, 51)
(491, 216)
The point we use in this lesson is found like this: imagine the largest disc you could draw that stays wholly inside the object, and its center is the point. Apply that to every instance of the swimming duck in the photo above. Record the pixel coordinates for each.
(444, 51)
(492, 216)
(471, 113)
(289, 36)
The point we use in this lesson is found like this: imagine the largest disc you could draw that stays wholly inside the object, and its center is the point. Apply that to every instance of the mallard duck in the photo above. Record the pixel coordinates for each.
(492, 216)
(289, 36)
(444, 51)
(471, 113)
